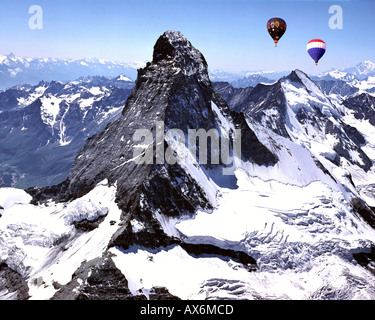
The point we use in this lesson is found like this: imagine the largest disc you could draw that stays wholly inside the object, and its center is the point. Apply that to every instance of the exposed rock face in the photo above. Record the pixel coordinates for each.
(347, 144)
(235, 97)
(366, 259)
(366, 212)
(174, 89)
(13, 282)
(363, 107)
(103, 281)
(338, 87)
(265, 97)
(86, 225)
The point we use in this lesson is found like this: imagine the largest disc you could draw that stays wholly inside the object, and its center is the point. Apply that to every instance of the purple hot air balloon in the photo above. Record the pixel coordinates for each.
(316, 48)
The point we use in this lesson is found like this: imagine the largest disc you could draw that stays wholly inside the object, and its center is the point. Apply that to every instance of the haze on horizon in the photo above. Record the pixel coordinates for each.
(232, 35)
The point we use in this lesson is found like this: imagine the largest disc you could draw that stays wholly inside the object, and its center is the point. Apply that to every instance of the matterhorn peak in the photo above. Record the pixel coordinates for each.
(172, 46)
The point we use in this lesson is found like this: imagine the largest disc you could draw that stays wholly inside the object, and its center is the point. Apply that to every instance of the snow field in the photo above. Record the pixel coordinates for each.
(42, 244)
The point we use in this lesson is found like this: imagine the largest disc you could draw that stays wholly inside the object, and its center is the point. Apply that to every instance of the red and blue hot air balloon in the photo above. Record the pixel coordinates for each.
(316, 48)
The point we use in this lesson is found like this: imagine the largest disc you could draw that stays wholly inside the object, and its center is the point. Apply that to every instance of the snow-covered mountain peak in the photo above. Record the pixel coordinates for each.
(299, 76)
(11, 56)
(300, 90)
(297, 109)
(172, 46)
(360, 72)
(175, 36)
(365, 67)
(123, 77)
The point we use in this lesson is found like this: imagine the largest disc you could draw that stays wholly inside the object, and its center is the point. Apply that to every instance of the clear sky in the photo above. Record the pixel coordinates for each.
(231, 34)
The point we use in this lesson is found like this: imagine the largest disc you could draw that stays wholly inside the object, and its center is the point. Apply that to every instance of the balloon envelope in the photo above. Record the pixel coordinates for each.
(316, 48)
(276, 28)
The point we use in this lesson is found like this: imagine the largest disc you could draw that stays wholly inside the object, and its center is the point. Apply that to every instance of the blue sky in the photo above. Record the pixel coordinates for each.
(231, 34)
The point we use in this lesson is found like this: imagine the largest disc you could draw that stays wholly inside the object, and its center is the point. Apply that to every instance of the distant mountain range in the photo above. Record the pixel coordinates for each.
(361, 76)
(20, 70)
(361, 71)
(16, 70)
(42, 127)
(245, 79)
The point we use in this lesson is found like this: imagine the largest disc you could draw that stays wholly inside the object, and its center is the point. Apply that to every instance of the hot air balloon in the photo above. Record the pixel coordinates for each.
(316, 48)
(276, 28)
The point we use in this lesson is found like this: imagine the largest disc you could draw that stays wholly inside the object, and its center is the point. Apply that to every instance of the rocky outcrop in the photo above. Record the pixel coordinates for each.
(237, 98)
(366, 259)
(338, 87)
(99, 279)
(13, 282)
(365, 211)
(362, 107)
(87, 225)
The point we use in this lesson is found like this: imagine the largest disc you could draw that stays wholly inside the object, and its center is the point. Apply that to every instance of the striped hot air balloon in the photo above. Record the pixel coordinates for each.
(316, 48)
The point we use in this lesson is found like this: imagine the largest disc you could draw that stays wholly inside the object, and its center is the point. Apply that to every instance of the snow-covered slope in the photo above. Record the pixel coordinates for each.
(288, 224)
(337, 130)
